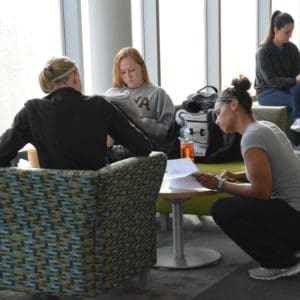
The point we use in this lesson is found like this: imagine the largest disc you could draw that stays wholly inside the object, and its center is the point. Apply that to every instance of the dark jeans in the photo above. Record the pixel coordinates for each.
(268, 230)
(290, 99)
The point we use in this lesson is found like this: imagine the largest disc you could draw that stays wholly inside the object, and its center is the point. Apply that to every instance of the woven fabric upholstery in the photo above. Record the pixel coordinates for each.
(129, 228)
(47, 230)
(78, 232)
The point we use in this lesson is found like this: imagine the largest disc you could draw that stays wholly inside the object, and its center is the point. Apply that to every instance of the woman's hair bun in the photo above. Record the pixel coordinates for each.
(241, 82)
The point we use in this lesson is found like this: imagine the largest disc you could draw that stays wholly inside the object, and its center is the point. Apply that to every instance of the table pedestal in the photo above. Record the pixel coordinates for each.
(194, 257)
(178, 257)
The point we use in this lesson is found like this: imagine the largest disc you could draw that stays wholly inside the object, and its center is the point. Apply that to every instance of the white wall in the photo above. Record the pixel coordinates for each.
(110, 30)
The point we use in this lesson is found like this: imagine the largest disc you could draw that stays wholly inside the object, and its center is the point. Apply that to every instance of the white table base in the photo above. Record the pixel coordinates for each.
(194, 257)
(178, 257)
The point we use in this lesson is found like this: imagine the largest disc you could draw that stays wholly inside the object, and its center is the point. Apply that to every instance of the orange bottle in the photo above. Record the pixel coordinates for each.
(187, 149)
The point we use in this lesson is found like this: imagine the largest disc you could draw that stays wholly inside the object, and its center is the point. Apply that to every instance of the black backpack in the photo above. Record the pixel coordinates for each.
(222, 147)
(210, 143)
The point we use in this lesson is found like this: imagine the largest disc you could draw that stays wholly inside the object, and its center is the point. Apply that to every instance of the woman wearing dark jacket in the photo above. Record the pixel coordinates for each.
(277, 79)
(69, 129)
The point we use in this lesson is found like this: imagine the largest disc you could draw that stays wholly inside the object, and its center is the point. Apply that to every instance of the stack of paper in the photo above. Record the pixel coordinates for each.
(179, 172)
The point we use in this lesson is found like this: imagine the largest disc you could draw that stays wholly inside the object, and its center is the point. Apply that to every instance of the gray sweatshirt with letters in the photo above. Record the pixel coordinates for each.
(156, 107)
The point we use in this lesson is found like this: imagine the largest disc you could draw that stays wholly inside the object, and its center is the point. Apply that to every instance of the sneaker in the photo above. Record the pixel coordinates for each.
(296, 125)
(271, 274)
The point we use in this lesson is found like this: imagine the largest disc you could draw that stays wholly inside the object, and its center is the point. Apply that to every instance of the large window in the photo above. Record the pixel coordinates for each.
(137, 24)
(86, 48)
(182, 47)
(30, 34)
(238, 40)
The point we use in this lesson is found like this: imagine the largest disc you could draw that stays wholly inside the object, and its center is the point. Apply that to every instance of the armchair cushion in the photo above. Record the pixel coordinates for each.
(275, 114)
(46, 228)
(129, 225)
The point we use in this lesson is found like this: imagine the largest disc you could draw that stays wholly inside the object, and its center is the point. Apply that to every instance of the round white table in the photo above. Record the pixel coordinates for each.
(178, 256)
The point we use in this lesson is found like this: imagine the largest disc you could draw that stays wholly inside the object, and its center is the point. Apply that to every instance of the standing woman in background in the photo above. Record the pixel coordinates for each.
(130, 77)
(277, 79)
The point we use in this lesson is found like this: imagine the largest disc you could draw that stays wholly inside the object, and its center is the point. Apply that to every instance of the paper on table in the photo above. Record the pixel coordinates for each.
(185, 183)
(181, 167)
(179, 172)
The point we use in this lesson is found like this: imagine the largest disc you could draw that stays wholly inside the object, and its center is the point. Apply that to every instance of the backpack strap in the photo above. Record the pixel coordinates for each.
(208, 86)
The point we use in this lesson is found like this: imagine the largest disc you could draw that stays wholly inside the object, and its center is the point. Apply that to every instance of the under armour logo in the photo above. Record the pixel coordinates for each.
(201, 132)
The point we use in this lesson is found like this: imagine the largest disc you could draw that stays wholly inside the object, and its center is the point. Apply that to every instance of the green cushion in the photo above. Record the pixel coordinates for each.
(202, 205)
(275, 114)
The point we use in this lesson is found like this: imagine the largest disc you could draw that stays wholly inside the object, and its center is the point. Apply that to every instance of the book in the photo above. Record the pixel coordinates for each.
(124, 103)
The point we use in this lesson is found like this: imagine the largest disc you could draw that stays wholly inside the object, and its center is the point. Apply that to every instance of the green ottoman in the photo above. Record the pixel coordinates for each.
(199, 205)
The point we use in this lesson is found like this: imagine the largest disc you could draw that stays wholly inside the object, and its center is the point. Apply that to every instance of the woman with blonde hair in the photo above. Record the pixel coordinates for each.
(130, 77)
(69, 129)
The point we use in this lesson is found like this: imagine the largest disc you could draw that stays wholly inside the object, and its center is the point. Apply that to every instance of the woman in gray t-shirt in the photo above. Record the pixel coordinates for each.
(263, 217)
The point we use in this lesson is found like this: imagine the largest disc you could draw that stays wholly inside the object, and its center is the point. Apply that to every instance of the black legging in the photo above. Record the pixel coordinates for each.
(268, 230)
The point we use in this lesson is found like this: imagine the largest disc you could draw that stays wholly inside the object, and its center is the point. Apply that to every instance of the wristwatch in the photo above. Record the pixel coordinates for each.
(220, 185)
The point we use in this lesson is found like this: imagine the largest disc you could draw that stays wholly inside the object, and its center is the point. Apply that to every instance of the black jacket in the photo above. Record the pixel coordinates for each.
(69, 131)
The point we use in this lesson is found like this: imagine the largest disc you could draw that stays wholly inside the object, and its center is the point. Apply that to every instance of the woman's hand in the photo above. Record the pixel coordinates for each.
(109, 141)
(259, 174)
(207, 180)
(227, 175)
(233, 176)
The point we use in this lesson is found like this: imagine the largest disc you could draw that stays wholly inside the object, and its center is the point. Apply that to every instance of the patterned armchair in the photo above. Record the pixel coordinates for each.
(78, 232)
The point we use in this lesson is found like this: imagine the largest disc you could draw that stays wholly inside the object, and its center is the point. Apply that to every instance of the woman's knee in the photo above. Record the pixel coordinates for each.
(276, 98)
(295, 91)
(233, 207)
(221, 208)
